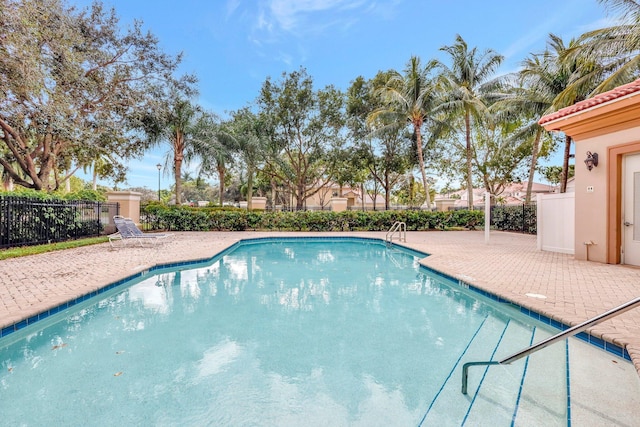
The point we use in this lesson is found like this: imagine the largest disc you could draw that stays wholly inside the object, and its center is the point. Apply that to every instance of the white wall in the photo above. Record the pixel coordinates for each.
(556, 222)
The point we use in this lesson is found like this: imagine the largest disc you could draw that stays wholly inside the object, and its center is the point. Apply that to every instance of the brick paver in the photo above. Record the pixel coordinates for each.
(510, 266)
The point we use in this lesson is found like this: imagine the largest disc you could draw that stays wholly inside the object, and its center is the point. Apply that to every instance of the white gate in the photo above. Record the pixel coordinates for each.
(556, 222)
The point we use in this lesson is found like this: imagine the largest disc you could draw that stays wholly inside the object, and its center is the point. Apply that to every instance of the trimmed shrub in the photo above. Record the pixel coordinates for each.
(184, 218)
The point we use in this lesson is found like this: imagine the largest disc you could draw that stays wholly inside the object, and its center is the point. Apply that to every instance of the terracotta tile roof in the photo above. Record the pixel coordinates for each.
(602, 98)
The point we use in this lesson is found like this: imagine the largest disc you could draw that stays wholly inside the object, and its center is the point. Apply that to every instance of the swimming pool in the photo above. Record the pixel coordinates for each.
(272, 332)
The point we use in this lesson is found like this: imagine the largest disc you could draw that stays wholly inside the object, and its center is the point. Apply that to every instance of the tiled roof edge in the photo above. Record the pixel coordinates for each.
(602, 98)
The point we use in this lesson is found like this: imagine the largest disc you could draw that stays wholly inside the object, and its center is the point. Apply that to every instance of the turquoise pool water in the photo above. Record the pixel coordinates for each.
(277, 332)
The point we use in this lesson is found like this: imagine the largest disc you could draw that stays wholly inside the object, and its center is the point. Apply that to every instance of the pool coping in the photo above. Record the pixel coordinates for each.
(600, 343)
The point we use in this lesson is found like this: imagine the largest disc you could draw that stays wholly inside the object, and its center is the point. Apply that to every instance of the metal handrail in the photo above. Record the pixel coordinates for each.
(397, 227)
(544, 343)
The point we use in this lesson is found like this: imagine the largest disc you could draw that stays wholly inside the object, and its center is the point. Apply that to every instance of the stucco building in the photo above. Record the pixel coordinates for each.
(606, 132)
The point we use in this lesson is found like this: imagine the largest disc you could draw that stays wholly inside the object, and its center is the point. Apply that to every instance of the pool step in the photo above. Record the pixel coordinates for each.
(543, 396)
(494, 390)
(451, 407)
(542, 389)
(605, 389)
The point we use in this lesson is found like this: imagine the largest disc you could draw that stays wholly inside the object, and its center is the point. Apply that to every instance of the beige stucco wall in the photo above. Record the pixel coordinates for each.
(607, 124)
(593, 208)
(338, 204)
(129, 203)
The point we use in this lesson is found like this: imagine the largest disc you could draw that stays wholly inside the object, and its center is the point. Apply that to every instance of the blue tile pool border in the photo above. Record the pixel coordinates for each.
(598, 342)
(583, 336)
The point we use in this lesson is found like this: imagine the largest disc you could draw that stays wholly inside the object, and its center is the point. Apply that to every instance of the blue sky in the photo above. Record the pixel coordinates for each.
(233, 45)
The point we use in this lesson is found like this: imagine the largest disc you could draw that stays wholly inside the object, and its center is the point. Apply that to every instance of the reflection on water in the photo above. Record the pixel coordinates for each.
(216, 358)
(273, 333)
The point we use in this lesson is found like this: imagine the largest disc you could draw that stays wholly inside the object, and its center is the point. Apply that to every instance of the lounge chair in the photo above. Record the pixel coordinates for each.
(128, 231)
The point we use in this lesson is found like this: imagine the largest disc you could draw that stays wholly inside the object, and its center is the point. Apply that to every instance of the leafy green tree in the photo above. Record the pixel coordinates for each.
(214, 147)
(411, 193)
(71, 82)
(498, 157)
(408, 98)
(553, 174)
(381, 149)
(465, 82)
(527, 96)
(304, 125)
(250, 141)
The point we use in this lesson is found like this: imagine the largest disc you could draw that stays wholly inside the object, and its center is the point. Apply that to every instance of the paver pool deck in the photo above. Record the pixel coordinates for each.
(509, 266)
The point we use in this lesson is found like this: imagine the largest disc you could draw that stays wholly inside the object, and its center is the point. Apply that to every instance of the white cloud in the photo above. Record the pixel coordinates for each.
(290, 14)
(302, 17)
(232, 6)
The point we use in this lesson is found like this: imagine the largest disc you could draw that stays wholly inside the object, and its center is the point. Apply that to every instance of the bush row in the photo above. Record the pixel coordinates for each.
(202, 219)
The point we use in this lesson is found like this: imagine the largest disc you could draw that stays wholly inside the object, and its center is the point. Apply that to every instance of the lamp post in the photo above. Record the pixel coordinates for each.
(159, 166)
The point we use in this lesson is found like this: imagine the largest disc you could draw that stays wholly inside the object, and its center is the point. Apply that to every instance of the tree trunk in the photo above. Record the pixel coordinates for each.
(300, 197)
(386, 190)
(249, 188)
(564, 175)
(94, 183)
(177, 172)
(467, 124)
(425, 183)
(534, 160)
(178, 154)
(221, 173)
(274, 194)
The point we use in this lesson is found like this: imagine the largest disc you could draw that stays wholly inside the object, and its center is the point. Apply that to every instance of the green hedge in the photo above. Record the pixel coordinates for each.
(183, 218)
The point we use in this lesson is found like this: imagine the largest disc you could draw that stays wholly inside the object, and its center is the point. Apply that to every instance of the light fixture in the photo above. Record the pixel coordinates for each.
(592, 160)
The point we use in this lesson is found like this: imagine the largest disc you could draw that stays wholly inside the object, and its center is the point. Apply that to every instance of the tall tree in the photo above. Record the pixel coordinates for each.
(250, 141)
(177, 125)
(570, 84)
(71, 81)
(525, 97)
(305, 124)
(214, 147)
(382, 149)
(408, 98)
(613, 51)
(464, 82)
(498, 156)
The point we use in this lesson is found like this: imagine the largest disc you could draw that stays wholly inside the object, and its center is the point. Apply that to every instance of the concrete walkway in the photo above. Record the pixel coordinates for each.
(509, 266)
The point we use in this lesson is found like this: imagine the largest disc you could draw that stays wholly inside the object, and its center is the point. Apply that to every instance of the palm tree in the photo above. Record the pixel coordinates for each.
(410, 98)
(573, 79)
(176, 125)
(179, 131)
(529, 95)
(615, 49)
(214, 146)
(101, 166)
(464, 84)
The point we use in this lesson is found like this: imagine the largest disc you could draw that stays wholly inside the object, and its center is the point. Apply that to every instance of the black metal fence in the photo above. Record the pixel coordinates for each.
(26, 221)
(522, 218)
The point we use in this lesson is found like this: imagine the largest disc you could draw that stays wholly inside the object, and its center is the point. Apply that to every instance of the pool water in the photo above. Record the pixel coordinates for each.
(278, 332)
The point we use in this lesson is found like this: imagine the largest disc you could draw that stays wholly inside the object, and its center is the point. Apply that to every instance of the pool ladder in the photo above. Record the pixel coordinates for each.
(544, 343)
(398, 227)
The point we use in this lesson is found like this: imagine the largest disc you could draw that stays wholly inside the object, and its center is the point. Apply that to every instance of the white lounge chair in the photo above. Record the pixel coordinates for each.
(128, 231)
